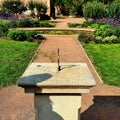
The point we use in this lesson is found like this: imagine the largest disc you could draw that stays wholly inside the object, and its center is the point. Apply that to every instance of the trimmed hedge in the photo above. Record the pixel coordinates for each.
(22, 35)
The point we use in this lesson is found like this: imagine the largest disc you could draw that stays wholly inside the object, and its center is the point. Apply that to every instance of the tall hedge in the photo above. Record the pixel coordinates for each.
(114, 9)
(94, 10)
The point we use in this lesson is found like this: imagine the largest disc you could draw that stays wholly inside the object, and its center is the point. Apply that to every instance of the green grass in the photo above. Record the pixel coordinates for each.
(106, 59)
(14, 58)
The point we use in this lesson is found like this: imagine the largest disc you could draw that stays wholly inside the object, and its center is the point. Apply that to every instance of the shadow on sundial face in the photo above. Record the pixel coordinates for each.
(34, 79)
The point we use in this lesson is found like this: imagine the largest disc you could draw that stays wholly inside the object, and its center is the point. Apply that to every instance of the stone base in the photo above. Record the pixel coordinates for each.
(57, 107)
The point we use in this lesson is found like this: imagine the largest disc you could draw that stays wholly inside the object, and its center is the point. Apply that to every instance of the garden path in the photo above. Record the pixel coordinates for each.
(102, 103)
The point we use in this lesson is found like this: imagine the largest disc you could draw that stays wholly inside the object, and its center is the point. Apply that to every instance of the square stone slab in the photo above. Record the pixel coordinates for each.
(45, 78)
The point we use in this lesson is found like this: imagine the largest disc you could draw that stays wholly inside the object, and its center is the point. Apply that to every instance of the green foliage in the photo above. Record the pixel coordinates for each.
(104, 30)
(17, 35)
(86, 24)
(95, 25)
(109, 39)
(94, 10)
(4, 26)
(74, 24)
(34, 23)
(14, 58)
(46, 24)
(98, 39)
(22, 35)
(27, 22)
(37, 9)
(117, 31)
(13, 6)
(114, 9)
(30, 35)
(66, 7)
(106, 59)
(76, 8)
(85, 37)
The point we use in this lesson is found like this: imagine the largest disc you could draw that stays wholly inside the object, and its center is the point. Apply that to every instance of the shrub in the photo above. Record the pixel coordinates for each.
(21, 35)
(14, 23)
(114, 9)
(98, 39)
(41, 9)
(94, 10)
(117, 31)
(77, 8)
(46, 24)
(86, 24)
(85, 38)
(4, 29)
(13, 6)
(17, 35)
(27, 22)
(104, 30)
(74, 24)
(30, 35)
(95, 25)
(110, 39)
(34, 23)
(111, 21)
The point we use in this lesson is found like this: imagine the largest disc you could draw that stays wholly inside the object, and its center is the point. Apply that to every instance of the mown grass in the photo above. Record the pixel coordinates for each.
(106, 59)
(14, 58)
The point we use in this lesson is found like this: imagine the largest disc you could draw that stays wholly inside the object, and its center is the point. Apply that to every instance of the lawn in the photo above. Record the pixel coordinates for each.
(14, 58)
(106, 58)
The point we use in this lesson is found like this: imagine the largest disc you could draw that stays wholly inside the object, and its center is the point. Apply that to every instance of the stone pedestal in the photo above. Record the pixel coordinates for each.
(57, 107)
(57, 93)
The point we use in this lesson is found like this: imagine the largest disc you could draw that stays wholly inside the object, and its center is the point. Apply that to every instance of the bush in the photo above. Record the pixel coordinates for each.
(110, 39)
(46, 24)
(21, 35)
(34, 23)
(74, 24)
(86, 24)
(14, 23)
(41, 9)
(4, 29)
(104, 30)
(95, 25)
(94, 10)
(26, 22)
(114, 9)
(77, 8)
(17, 35)
(111, 21)
(13, 6)
(117, 31)
(85, 38)
(98, 39)
(30, 35)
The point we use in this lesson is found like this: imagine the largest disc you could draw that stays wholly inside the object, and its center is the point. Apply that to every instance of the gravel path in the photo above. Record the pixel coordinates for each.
(102, 103)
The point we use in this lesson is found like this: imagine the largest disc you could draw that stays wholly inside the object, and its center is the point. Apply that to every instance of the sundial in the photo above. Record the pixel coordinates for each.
(57, 87)
(57, 75)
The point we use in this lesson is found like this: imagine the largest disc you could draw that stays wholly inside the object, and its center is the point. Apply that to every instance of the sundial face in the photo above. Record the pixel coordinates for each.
(47, 75)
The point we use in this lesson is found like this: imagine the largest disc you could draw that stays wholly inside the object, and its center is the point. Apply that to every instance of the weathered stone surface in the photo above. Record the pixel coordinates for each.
(43, 77)
(46, 74)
